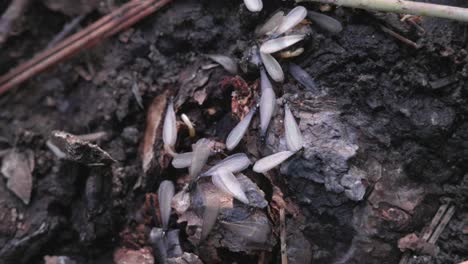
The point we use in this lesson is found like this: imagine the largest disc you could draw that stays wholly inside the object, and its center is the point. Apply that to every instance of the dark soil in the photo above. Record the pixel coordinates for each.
(404, 109)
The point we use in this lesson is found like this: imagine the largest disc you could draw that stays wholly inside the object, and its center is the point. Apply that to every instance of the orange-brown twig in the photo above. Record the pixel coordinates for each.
(120, 19)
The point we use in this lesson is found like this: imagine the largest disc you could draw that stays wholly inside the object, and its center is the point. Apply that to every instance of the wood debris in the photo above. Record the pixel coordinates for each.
(17, 167)
(429, 235)
(78, 150)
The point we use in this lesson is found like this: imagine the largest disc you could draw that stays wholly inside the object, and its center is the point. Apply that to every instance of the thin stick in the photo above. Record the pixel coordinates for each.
(400, 37)
(73, 38)
(433, 231)
(435, 221)
(403, 7)
(443, 223)
(8, 18)
(120, 19)
(284, 252)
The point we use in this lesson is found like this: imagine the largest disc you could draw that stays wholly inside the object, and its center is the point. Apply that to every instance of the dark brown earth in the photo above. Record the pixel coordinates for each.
(396, 116)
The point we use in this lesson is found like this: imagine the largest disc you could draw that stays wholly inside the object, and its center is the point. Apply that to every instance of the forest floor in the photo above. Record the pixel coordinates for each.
(390, 113)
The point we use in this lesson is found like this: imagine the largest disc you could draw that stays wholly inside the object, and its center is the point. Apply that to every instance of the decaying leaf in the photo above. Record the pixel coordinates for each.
(153, 122)
(17, 168)
(78, 150)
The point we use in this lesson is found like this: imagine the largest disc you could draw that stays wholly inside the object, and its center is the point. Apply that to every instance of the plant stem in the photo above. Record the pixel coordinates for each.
(404, 7)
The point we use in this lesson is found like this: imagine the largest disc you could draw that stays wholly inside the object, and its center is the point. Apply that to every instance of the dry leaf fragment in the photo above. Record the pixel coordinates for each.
(153, 122)
(17, 168)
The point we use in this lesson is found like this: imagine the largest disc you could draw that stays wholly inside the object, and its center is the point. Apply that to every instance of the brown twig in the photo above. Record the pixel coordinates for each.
(400, 37)
(68, 41)
(107, 26)
(8, 18)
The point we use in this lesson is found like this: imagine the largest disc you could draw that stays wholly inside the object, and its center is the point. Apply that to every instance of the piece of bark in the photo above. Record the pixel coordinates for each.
(79, 150)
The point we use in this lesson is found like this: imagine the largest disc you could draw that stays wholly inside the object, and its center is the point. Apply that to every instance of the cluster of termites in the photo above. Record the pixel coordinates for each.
(278, 34)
